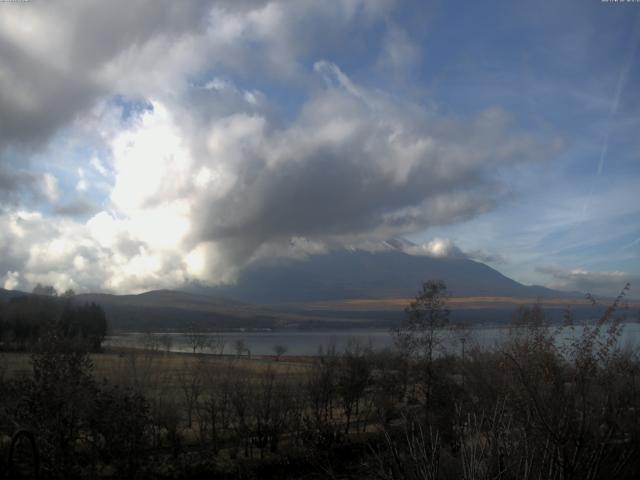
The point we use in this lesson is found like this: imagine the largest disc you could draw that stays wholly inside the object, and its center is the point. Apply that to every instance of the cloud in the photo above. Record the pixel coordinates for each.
(399, 54)
(354, 164)
(209, 174)
(59, 58)
(77, 208)
(441, 247)
(18, 186)
(50, 187)
(601, 283)
(53, 54)
(11, 280)
(82, 184)
(14, 183)
(202, 201)
(486, 257)
(437, 247)
(97, 164)
(103, 254)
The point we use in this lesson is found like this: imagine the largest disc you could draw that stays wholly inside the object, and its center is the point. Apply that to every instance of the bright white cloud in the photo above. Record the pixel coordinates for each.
(437, 247)
(11, 280)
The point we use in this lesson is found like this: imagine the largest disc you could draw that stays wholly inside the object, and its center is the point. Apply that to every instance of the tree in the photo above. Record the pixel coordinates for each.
(420, 333)
(271, 409)
(26, 318)
(426, 316)
(240, 346)
(353, 378)
(167, 342)
(190, 379)
(320, 393)
(279, 350)
(57, 402)
(574, 397)
(121, 424)
(214, 411)
(197, 340)
(217, 343)
(46, 290)
(86, 323)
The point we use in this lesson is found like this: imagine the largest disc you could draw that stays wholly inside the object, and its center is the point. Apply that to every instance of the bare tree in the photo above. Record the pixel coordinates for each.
(166, 341)
(217, 343)
(568, 393)
(420, 335)
(240, 346)
(214, 411)
(3, 367)
(279, 350)
(411, 455)
(196, 339)
(241, 404)
(353, 378)
(321, 394)
(271, 408)
(190, 378)
(150, 342)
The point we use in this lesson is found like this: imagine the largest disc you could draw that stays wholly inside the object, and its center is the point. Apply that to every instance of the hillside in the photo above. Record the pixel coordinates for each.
(347, 274)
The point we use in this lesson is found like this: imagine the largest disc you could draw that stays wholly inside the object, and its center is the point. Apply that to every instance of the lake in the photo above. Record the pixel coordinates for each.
(299, 342)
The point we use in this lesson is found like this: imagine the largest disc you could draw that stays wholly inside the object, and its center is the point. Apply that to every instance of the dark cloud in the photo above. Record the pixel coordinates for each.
(14, 183)
(20, 186)
(77, 208)
(356, 164)
(49, 79)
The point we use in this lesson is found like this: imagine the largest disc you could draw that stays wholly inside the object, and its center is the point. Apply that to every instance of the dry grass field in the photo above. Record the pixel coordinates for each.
(164, 373)
(393, 304)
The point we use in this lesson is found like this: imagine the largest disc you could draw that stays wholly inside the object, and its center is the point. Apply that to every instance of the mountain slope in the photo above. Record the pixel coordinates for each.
(6, 295)
(159, 309)
(164, 299)
(358, 274)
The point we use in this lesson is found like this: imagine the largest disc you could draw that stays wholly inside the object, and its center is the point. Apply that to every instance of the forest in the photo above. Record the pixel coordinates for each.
(530, 408)
(25, 320)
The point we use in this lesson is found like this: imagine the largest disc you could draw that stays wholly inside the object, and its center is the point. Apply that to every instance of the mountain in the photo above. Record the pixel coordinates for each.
(357, 274)
(6, 295)
(345, 288)
(178, 310)
(164, 299)
(173, 309)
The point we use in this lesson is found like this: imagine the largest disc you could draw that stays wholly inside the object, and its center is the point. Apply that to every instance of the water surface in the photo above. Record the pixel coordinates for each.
(308, 342)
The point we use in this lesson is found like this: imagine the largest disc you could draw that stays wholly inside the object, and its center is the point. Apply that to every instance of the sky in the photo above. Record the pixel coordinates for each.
(154, 143)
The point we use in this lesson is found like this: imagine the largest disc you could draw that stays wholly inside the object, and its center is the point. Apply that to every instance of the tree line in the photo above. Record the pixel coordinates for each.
(24, 320)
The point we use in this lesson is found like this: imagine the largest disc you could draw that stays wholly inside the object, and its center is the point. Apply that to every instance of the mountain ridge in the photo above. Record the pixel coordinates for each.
(319, 292)
(343, 275)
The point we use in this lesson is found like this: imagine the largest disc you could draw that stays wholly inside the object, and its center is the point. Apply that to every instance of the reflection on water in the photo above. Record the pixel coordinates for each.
(308, 342)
